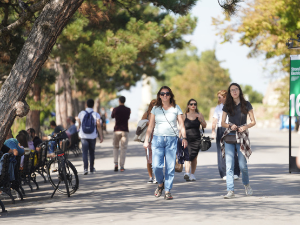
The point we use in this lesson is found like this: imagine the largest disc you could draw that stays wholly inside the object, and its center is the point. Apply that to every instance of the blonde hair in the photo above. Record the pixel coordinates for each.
(223, 93)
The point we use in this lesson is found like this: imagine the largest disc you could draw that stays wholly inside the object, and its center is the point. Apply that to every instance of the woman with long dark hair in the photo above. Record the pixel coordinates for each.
(217, 119)
(163, 120)
(237, 109)
(192, 121)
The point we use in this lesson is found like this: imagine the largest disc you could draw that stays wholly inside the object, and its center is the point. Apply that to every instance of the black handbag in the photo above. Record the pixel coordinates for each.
(205, 142)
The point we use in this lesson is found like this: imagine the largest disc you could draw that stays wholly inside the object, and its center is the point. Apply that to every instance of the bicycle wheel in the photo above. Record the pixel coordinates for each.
(64, 174)
(71, 175)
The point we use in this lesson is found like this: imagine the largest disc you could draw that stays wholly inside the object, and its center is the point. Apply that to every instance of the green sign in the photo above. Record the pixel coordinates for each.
(295, 86)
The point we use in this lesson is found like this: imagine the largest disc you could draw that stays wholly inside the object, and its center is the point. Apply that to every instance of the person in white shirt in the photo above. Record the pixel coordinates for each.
(88, 140)
(217, 117)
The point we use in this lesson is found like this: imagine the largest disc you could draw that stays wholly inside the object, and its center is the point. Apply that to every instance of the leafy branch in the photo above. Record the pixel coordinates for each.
(24, 17)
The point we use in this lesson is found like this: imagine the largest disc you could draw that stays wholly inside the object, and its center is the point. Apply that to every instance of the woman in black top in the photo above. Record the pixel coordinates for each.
(237, 109)
(192, 121)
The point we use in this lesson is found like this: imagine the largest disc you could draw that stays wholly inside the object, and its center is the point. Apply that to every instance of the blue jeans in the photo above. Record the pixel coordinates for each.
(221, 160)
(88, 146)
(164, 147)
(229, 156)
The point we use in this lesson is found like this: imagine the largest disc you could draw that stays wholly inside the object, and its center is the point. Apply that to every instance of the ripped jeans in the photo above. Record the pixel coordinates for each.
(164, 148)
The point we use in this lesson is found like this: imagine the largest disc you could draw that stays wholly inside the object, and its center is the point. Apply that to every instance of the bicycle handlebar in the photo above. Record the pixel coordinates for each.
(58, 134)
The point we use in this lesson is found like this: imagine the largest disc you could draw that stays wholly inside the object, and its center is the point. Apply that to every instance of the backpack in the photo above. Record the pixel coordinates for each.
(88, 123)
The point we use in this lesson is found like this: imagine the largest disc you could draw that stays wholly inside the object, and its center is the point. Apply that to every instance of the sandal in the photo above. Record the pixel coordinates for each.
(168, 196)
(159, 190)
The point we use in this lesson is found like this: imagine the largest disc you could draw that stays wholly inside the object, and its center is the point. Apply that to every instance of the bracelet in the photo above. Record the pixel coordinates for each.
(184, 138)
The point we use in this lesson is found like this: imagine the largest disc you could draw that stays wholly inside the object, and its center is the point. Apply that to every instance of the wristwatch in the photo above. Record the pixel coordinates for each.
(184, 138)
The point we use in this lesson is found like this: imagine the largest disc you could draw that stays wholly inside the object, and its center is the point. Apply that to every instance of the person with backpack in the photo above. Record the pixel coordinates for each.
(90, 126)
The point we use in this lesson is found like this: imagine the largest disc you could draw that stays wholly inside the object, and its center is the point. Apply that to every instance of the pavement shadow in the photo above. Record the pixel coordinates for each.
(109, 191)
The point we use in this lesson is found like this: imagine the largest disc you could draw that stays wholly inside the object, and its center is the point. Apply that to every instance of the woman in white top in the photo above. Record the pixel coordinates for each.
(164, 117)
(217, 119)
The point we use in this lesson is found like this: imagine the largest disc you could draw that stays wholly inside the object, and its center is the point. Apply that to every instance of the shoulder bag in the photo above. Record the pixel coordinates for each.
(205, 142)
(178, 166)
(231, 139)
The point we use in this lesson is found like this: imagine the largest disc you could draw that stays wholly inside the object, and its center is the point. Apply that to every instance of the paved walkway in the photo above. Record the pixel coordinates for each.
(109, 197)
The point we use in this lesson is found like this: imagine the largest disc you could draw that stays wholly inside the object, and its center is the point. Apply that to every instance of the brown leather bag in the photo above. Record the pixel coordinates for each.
(230, 139)
(178, 167)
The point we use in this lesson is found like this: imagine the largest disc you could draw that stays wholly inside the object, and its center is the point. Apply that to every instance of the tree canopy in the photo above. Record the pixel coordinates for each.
(264, 26)
(116, 53)
(199, 78)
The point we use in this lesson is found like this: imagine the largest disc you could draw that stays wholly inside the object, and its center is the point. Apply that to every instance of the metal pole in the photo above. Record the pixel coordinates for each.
(290, 143)
(290, 124)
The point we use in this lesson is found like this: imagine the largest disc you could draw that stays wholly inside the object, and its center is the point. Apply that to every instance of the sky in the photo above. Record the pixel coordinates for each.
(242, 70)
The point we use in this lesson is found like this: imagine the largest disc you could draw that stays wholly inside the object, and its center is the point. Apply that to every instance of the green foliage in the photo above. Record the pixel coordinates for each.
(254, 96)
(115, 55)
(200, 78)
(264, 26)
(19, 124)
(174, 64)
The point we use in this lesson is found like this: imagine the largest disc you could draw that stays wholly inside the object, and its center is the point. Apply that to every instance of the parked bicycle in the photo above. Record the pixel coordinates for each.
(61, 173)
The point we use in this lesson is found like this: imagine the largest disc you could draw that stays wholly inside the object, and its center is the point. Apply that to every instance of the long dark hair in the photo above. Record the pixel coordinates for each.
(229, 103)
(187, 106)
(158, 100)
(22, 140)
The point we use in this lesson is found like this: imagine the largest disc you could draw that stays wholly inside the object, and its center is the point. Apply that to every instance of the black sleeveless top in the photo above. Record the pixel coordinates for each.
(192, 127)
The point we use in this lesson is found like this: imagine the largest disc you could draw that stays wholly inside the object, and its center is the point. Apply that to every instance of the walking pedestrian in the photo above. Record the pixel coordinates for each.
(164, 116)
(122, 115)
(149, 152)
(237, 109)
(217, 118)
(193, 119)
(90, 125)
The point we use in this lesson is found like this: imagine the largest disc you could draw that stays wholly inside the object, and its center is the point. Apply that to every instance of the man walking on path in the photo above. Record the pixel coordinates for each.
(122, 115)
(90, 127)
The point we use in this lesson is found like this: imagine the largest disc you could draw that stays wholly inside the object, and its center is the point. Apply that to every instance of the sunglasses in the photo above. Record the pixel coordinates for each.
(164, 93)
(191, 104)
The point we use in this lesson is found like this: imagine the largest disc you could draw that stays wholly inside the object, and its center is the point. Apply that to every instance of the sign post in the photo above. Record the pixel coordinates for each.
(294, 104)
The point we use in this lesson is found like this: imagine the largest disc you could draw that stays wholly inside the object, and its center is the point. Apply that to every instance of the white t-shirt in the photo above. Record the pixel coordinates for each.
(96, 117)
(219, 113)
(162, 127)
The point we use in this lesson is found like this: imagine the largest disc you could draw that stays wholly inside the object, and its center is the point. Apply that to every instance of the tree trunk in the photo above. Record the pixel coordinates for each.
(33, 55)
(97, 105)
(63, 94)
(33, 116)
(78, 106)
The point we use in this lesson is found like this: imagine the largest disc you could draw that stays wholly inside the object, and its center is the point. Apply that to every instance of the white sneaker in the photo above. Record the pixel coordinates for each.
(192, 177)
(150, 181)
(224, 178)
(94, 171)
(236, 177)
(155, 181)
(248, 190)
(186, 177)
(85, 172)
(230, 194)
